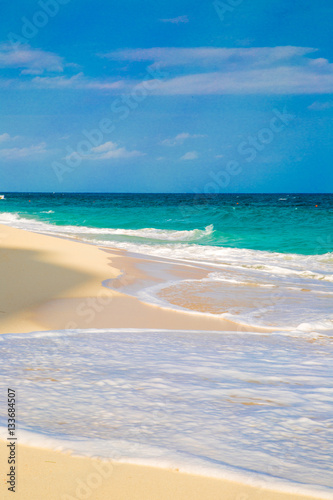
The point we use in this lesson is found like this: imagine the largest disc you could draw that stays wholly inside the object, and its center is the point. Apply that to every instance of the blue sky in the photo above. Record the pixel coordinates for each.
(177, 96)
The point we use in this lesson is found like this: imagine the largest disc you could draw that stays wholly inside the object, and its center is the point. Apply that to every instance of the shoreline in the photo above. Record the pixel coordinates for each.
(45, 473)
(54, 283)
(68, 292)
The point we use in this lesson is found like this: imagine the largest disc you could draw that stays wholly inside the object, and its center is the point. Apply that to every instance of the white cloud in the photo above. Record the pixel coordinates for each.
(111, 150)
(191, 155)
(78, 81)
(279, 81)
(189, 71)
(176, 20)
(321, 106)
(30, 61)
(208, 56)
(4, 137)
(180, 138)
(7, 137)
(56, 81)
(106, 146)
(24, 152)
(223, 71)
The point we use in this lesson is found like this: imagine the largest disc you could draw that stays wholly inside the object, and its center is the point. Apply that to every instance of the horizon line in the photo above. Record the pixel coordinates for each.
(162, 192)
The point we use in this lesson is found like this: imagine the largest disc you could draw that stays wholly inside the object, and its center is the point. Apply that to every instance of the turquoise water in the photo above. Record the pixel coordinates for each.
(286, 223)
(265, 260)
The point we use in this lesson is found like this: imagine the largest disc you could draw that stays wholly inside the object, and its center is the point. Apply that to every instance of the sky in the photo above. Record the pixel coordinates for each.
(154, 96)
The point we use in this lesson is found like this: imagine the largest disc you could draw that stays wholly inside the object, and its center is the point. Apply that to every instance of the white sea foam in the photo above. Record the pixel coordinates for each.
(218, 404)
(159, 234)
(312, 266)
(16, 220)
(267, 305)
(247, 297)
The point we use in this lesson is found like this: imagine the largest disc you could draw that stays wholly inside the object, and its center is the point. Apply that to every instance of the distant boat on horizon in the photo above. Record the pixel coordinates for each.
(2, 197)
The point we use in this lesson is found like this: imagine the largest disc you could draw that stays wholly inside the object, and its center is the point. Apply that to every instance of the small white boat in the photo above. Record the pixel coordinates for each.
(2, 196)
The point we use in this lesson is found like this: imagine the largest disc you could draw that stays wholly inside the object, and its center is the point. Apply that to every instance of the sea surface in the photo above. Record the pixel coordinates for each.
(275, 252)
(283, 223)
(256, 407)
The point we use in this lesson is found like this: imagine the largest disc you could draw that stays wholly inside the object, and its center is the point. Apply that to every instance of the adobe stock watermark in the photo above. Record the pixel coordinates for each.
(41, 17)
(223, 7)
(121, 108)
(247, 149)
(90, 307)
(94, 480)
(265, 136)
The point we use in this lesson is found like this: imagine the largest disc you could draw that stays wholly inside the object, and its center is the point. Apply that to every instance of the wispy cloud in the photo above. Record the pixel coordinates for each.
(266, 81)
(23, 152)
(180, 139)
(176, 20)
(78, 81)
(75, 82)
(191, 71)
(321, 106)
(53, 82)
(111, 150)
(208, 56)
(279, 81)
(190, 155)
(256, 70)
(30, 61)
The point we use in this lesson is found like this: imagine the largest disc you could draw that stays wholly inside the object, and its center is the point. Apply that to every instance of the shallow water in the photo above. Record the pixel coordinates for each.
(229, 405)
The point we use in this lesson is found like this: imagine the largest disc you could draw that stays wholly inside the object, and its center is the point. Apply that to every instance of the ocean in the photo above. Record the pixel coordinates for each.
(282, 223)
(240, 405)
(273, 250)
